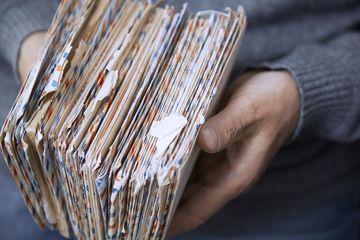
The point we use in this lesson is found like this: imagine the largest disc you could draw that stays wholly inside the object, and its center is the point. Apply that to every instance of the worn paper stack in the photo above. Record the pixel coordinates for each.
(101, 139)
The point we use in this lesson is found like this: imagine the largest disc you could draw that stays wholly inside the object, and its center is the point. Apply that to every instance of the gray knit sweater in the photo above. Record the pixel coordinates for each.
(319, 43)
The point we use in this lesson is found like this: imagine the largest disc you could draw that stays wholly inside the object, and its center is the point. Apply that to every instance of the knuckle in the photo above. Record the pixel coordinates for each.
(232, 131)
(242, 185)
(240, 179)
(251, 108)
(195, 222)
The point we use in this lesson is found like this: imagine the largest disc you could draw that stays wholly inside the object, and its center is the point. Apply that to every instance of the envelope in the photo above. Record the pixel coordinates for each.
(101, 139)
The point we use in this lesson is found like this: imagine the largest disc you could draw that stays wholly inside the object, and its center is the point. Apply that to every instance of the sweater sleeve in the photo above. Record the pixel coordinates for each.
(328, 78)
(20, 18)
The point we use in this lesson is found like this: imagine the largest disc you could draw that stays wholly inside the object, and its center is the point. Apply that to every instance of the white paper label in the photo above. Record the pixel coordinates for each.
(166, 131)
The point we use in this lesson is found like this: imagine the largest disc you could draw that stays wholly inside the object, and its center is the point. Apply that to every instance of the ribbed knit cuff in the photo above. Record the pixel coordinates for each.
(20, 19)
(324, 87)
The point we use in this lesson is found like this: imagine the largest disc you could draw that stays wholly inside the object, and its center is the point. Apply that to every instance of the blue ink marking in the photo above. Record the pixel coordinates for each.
(54, 83)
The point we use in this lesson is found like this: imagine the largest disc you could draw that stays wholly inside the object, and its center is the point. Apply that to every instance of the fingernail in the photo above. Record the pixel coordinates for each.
(211, 138)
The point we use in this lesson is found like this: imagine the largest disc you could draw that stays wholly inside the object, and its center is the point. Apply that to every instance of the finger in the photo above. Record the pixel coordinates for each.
(197, 206)
(226, 127)
(204, 163)
(29, 50)
(221, 184)
(203, 166)
(248, 161)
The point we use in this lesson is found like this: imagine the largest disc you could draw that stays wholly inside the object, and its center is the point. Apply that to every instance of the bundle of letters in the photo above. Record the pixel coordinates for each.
(102, 137)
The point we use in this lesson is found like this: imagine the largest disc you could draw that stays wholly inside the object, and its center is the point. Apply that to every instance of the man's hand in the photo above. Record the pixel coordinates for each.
(29, 50)
(259, 117)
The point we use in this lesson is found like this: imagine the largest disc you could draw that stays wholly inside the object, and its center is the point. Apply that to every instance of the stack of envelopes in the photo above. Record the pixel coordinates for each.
(101, 139)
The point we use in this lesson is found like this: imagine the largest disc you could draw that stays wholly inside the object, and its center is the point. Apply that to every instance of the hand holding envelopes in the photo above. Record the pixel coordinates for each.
(101, 139)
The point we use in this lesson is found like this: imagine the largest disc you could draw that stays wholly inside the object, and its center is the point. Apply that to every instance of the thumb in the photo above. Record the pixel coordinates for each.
(222, 129)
